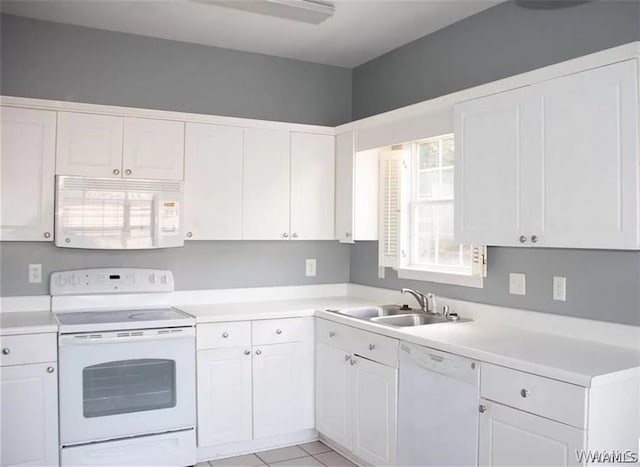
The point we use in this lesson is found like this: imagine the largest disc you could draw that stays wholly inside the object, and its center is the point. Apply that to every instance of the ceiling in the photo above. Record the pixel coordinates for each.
(359, 31)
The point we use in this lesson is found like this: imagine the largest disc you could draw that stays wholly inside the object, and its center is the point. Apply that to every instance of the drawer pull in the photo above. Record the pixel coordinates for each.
(278, 331)
(482, 408)
(6, 351)
(332, 334)
(225, 335)
(372, 346)
(524, 392)
(247, 352)
(258, 352)
(50, 369)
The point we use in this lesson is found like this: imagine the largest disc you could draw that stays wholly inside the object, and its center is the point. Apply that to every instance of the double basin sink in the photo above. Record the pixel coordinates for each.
(396, 316)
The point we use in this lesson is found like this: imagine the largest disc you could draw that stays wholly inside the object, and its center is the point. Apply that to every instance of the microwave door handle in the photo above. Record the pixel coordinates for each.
(155, 220)
(125, 235)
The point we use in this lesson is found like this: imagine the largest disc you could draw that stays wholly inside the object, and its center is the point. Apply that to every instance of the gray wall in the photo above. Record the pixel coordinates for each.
(602, 285)
(198, 265)
(502, 41)
(63, 62)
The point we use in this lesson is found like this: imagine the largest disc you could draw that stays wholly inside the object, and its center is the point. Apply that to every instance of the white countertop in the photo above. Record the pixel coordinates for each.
(27, 322)
(581, 362)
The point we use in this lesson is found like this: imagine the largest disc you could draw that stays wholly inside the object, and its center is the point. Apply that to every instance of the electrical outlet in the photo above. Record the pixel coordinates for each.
(560, 288)
(35, 273)
(517, 284)
(310, 267)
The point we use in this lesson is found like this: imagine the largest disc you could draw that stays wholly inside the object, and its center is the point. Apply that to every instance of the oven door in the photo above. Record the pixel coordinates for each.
(126, 383)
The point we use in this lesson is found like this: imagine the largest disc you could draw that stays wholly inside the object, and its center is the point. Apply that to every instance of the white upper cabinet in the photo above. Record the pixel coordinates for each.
(265, 206)
(27, 162)
(356, 191)
(490, 169)
(153, 149)
(213, 182)
(312, 186)
(110, 146)
(89, 145)
(553, 164)
(586, 171)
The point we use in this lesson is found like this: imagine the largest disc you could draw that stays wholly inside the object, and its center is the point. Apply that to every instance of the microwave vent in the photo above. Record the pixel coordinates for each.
(114, 184)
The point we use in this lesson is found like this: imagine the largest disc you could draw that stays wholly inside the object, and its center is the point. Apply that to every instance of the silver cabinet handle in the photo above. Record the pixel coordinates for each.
(6, 351)
(332, 334)
(128, 172)
(189, 234)
(278, 331)
(523, 239)
(347, 234)
(524, 392)
(534, 238)
(247, 352)
(258, 352)
(482, 408)
(295, 235)
(347, 358)
(50, 369)
(225, 335)
(47, 235)
(372, 346)
(285, 235)
(353, 362)
(116, 171)
(67, 240)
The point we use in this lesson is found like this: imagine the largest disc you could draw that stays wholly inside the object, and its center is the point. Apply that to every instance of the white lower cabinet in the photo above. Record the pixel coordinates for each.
(511, 437)
(356, 397)
(29, 404)
(251, 389)
(224, 396)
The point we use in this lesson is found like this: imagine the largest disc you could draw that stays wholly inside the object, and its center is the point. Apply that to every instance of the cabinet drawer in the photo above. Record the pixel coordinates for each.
(546, 397)
(334, 334)
(220, 335)
(278, 331)
(28, 348)
(375, 347)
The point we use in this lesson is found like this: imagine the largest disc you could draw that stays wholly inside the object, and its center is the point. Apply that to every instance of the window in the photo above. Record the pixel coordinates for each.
(417, 215)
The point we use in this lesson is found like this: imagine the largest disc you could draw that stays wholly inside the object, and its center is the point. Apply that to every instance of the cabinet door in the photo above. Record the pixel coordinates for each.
(282, 389)
(29, 415)
(153, 149)
(510, 437)
(27, 159)
(345, 158)
(491, 162)
(587, 162)
(375, 388)
(224, 396)
(265, 206)
(89, 145)
(312, 186)
(213, 182)
(333, 394)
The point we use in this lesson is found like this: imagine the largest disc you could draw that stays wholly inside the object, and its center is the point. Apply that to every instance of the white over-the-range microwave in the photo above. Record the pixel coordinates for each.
(121, 214)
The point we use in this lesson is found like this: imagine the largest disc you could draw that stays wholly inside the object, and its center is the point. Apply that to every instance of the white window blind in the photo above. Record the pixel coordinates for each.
(390, 204)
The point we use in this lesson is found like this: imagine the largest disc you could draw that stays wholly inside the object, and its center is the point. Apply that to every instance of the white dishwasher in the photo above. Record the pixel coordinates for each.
(437, 408)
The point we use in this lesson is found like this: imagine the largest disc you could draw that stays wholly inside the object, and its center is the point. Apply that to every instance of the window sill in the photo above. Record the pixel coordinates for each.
(440, 277)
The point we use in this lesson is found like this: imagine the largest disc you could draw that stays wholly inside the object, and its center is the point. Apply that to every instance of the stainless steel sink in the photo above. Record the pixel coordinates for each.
(412, 319)
(395, 316)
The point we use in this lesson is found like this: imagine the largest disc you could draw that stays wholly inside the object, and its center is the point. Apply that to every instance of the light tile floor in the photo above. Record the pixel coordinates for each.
(315, 454)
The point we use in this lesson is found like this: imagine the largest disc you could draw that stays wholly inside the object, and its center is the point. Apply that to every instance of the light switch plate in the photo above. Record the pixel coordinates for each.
(517, 284)
(560, 288)
(310, 267)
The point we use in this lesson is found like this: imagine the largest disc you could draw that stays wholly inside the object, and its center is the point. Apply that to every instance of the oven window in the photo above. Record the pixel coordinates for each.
(127, 386)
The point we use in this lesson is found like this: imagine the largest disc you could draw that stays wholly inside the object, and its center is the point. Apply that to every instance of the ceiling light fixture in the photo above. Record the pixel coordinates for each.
(304, 11)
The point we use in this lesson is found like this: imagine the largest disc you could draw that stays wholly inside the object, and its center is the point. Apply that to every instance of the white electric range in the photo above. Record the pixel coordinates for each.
(127, 369)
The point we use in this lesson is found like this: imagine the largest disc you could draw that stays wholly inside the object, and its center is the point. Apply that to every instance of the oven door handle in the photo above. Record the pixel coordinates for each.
(121, 337)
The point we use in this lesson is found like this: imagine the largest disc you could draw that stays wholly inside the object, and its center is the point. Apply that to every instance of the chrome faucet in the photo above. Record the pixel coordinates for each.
(427, 302)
